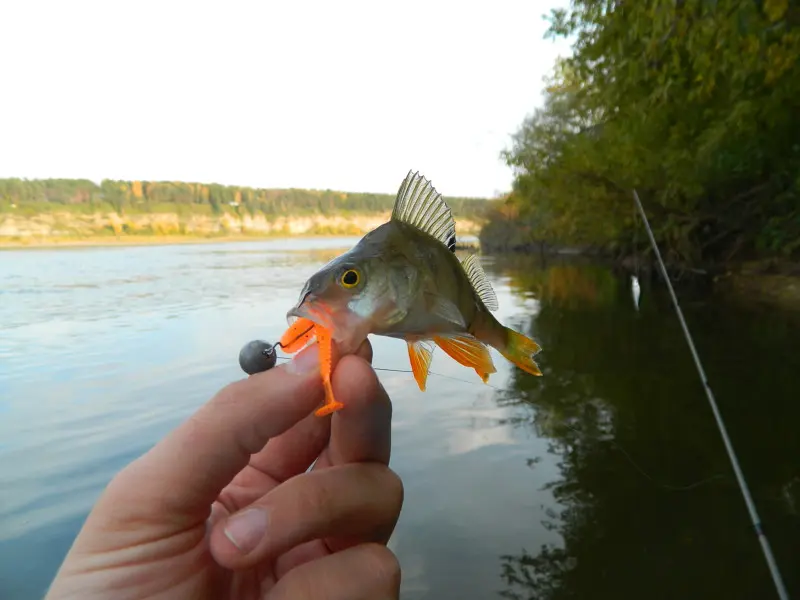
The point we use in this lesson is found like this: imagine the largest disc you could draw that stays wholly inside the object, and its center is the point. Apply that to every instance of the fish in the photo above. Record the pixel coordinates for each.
(403, 280)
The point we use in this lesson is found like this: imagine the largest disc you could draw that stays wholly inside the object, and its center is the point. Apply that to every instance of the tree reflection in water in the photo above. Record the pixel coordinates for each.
(648, 504)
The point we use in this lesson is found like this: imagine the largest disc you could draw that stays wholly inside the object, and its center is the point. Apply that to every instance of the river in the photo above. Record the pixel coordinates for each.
(604, 478)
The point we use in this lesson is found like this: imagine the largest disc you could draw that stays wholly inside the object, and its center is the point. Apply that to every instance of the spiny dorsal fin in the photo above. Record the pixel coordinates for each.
(479, 281)
(420, 205)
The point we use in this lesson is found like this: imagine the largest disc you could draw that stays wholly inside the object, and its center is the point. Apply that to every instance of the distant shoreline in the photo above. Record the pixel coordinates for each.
(54, 243)
(148, 240)
(63, 229)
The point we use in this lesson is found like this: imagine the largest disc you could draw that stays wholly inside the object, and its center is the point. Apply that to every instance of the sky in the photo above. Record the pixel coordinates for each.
(325, 95)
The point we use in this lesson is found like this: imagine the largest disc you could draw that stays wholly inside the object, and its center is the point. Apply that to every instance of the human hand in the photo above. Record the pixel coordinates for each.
(238, 470)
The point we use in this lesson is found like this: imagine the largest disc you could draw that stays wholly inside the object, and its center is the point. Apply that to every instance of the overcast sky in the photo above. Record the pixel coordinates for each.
(340, 95)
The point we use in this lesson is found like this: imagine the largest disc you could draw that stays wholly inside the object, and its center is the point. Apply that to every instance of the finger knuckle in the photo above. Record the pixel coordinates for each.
(117, 487)
(229, 395)
(394, 488)
(386, 480)
(382, 565)
(316, 500)
(233, 399)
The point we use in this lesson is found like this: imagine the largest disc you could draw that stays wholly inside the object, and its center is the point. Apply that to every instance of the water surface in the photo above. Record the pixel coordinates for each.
(604, 478)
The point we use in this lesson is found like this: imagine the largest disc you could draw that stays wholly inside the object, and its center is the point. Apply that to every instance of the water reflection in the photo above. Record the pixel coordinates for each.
(102, 351)
(647, 503)
(570, 485)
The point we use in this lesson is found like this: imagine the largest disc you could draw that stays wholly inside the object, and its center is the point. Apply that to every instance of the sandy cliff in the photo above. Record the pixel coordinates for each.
(66, 225)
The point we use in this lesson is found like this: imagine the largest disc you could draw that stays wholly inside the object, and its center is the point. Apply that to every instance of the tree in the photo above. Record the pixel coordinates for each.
(695, 103)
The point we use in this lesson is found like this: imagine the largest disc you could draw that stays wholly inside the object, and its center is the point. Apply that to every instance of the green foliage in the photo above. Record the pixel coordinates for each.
(695, 103)
(28, 197)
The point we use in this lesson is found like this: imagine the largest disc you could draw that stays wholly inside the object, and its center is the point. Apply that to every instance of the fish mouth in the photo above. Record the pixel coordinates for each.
(309, 307)
(300, 310)
(347, 330)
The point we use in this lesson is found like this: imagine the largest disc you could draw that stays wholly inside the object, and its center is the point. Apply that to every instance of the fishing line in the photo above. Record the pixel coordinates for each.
(667, 486)
(429, 372)
(677, 488)
(751, 508)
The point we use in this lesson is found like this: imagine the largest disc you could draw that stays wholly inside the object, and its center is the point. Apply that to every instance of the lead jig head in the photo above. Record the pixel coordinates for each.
(257, 356)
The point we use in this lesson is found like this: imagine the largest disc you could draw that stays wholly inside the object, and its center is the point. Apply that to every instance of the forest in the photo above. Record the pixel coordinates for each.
(693, 103)
(31, 197)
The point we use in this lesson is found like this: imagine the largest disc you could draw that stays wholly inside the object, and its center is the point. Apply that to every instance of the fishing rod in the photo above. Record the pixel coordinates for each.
(751, 507)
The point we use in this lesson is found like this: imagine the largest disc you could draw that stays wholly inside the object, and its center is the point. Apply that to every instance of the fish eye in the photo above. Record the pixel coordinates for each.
(350, 278)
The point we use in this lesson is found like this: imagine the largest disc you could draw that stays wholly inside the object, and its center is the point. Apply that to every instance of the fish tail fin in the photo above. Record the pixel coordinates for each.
(520, 350)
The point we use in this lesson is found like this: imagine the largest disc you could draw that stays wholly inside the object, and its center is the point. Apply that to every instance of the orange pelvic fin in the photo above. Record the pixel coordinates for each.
(520, 349)
(326, 367)
(468, 351)
(420, 355)
(298, 335)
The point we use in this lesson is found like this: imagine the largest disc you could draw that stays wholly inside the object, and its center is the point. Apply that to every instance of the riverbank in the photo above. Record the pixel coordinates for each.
(68, 229)
(772, 282)
(768, 282)
(50, 243)
(165, 240)
(775, 283)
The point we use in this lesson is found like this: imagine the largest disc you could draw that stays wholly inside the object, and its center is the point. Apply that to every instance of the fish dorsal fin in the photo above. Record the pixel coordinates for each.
(480, 283)
(418, 204)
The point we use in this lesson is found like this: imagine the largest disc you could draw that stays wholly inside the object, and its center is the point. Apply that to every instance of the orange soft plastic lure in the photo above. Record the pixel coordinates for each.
(299, 334)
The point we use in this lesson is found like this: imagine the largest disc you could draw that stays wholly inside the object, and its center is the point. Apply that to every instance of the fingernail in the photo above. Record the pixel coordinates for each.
(306, 361)
(246, 529)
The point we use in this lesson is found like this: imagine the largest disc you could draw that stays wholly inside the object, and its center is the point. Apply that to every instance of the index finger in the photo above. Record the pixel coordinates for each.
(293, 452)
(200, 457)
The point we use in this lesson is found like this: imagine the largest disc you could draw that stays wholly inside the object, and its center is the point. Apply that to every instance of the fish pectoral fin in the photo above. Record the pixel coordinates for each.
(468, 351)
(445, 309)
(418, 204)
(300, 333)
(420, 353)
(392, 315)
